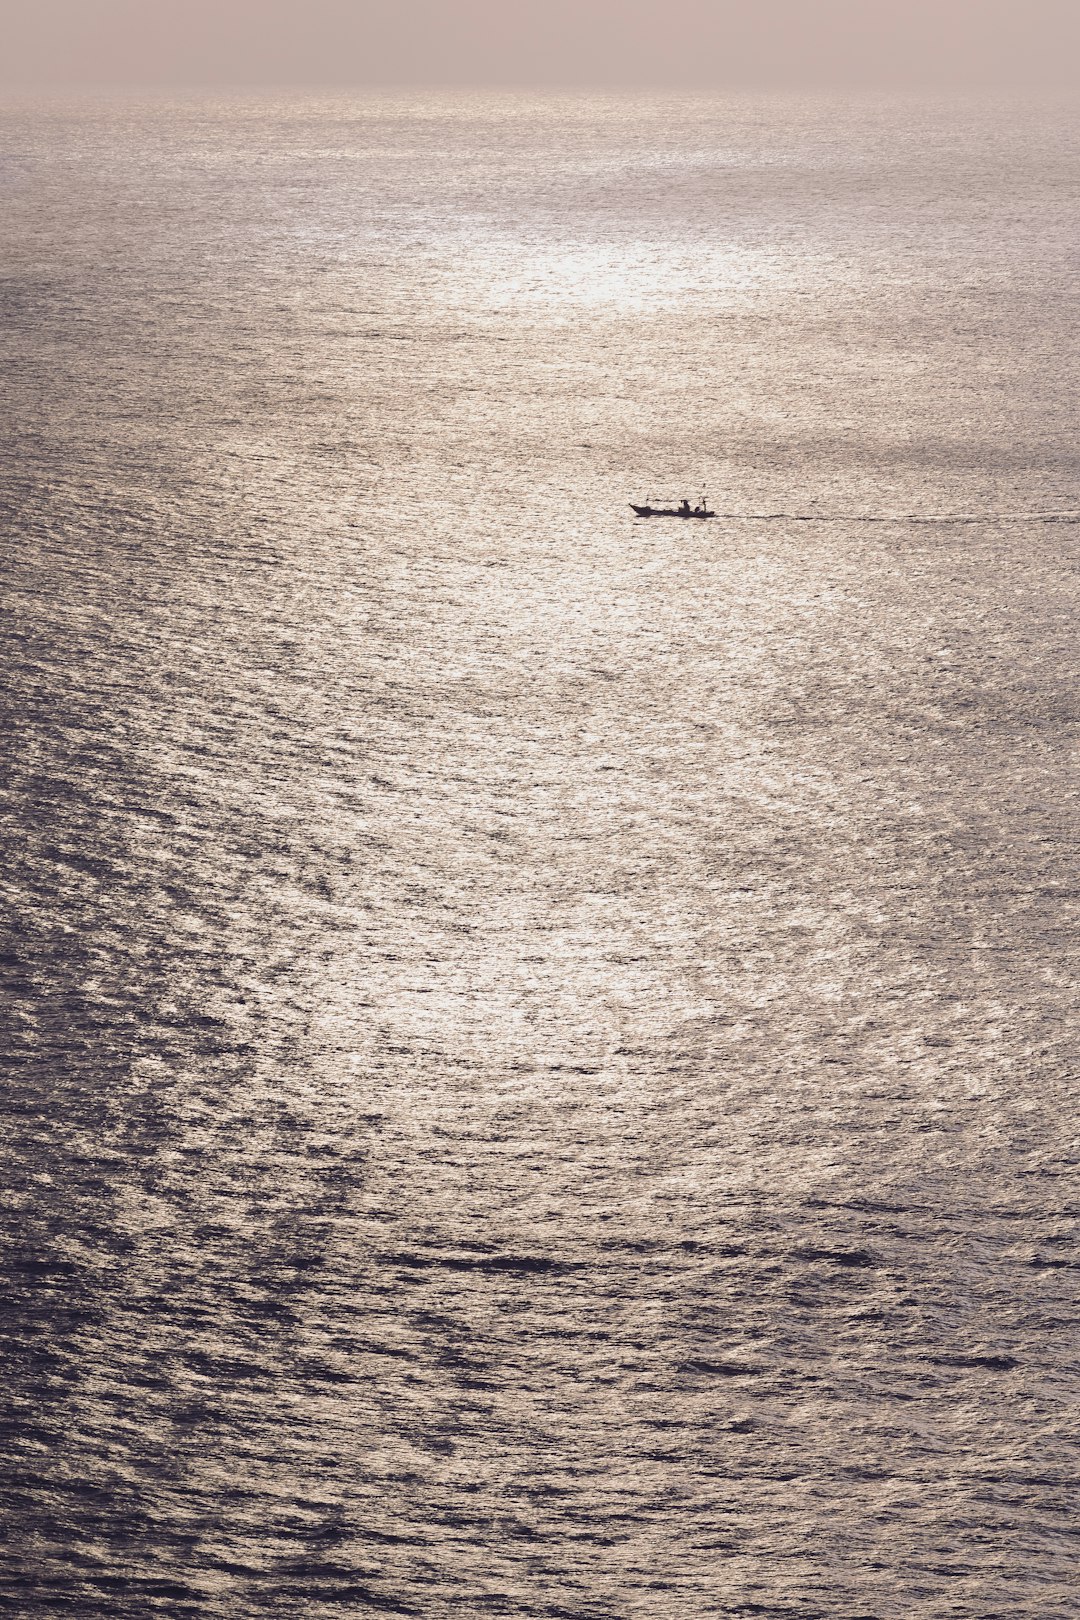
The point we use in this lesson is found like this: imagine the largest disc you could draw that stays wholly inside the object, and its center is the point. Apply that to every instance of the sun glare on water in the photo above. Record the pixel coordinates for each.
(637, 277)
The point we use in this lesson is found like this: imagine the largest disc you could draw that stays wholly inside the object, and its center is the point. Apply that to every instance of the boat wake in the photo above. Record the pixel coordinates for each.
(900, 517)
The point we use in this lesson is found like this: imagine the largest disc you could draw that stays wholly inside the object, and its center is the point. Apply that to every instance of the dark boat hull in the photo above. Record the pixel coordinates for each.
(667, 511)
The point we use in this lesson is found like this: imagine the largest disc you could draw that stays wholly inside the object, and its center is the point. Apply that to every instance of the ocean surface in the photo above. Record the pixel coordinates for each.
(540, 1056)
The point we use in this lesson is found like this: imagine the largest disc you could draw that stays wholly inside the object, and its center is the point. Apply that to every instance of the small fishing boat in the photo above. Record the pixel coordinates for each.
(683, 510)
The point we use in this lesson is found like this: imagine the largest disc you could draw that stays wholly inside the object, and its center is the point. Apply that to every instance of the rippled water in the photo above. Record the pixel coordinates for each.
(542, 1052)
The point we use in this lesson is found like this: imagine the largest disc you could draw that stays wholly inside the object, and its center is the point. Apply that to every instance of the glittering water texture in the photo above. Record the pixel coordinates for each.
(539, 1076)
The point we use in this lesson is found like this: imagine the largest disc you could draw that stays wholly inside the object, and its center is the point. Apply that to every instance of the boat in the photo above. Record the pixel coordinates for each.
(683, 510)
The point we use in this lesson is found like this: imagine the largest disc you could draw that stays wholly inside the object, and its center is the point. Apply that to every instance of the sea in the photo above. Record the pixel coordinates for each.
(540, 1057)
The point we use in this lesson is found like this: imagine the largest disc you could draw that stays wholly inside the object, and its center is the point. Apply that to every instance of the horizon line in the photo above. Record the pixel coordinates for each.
(819, 87)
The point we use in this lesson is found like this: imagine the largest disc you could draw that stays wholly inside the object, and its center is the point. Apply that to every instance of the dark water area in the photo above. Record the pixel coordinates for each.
(540, 1051)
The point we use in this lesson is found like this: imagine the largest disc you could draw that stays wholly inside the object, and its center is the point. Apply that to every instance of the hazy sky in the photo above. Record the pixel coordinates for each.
(556, 42)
